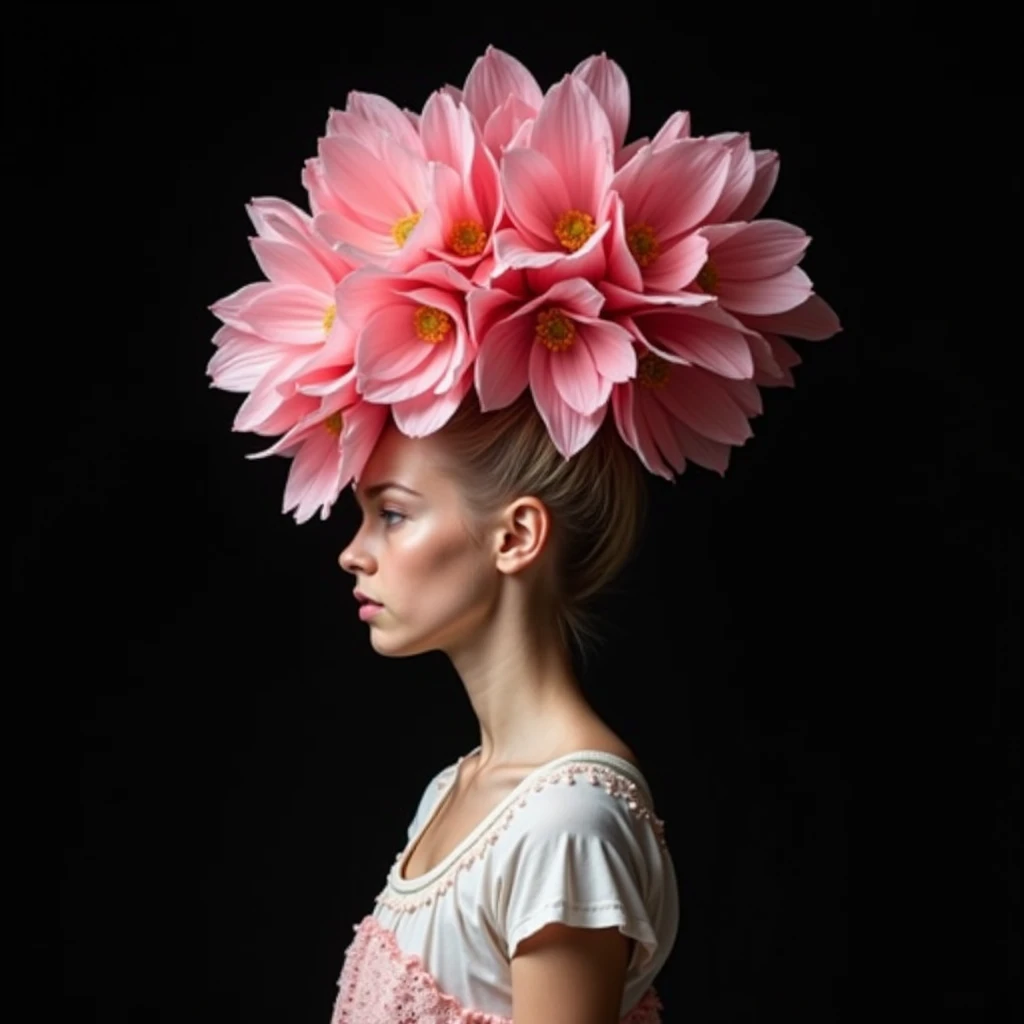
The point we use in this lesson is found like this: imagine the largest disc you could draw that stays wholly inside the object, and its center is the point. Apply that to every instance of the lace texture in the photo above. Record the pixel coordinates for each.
(380, 984)
(597, 775)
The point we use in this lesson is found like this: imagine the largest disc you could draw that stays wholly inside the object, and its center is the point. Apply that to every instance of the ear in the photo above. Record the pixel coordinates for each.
(522, 533)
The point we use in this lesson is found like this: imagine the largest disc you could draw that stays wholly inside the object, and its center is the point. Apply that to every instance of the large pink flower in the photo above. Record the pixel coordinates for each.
(369, 186)
(413, 349)
(557, 189)
(274, 329)
(752, 268)
(329, 448)
(466, 193)
(663, 195)
(558, 344)
(694, 392)
(673, 412)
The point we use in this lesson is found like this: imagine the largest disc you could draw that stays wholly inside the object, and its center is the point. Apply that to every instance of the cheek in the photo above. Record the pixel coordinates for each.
(441, 563)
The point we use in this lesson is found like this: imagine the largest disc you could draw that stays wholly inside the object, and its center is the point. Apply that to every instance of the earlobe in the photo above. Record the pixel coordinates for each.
(523, 533)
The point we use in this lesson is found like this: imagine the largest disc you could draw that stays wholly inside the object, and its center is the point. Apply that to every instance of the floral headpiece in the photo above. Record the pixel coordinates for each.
(507, 238)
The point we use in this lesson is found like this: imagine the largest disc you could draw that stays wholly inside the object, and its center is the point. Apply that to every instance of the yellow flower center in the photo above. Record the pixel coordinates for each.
(332, 312)
(652, 371)
(333, 423)
(432, 324)
(642, 244)
(467, 238)
(402, 229)
(708, 278)
(573, 228)
(555, 330)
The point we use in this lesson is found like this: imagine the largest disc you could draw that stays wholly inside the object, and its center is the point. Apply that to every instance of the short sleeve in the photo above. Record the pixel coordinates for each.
(575, 855)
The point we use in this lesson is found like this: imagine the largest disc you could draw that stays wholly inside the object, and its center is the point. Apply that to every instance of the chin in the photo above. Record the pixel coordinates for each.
(396, 647)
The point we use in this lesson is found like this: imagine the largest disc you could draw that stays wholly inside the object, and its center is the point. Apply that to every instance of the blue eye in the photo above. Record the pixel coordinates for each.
(391, 517)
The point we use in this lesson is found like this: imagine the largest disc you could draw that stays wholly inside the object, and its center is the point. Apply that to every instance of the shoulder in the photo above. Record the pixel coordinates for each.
(430, 794)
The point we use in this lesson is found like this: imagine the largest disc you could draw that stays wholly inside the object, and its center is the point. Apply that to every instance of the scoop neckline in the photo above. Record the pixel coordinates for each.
(409, 885)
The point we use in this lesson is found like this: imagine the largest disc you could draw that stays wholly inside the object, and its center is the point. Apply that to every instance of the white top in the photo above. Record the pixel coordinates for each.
(577, 841)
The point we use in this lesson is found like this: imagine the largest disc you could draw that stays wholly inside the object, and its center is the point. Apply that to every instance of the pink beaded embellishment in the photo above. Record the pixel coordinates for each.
(613, 782)
(380, 984)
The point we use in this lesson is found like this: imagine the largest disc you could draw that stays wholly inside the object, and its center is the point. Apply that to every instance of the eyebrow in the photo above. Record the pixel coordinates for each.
(375, 489)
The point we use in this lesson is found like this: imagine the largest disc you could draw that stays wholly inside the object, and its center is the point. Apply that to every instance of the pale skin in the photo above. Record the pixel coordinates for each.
(475, 589)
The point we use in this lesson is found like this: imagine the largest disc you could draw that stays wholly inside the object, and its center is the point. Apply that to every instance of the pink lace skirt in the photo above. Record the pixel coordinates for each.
(380, 984)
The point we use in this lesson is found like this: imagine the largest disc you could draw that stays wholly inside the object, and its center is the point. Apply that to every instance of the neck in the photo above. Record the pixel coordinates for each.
(519, 679)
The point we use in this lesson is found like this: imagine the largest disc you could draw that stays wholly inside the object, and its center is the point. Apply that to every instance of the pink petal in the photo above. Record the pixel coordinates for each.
(766, 297)
(634, 431)
(447, 133)
(363, 425)
(698, 399)
(675, 188)
(611, 348)
(573, 132)
(292, 314)
(813, 320)
(485, 307)
(388, 347)
(748, 252)
(623, 269)
(576, 378)
(662, 427)
(685, 335)
(619, 300)
(713, 455)
(513, 251)
(280, 221)
(382, 113)
(231, 307)
(535, 195)
(285, 264)
(502, 366)
(314, 477)
(505, 122)
(587, 262)
(678, 264)
(624, 155)
(766, 173)
(739, 178)
(676, 127)
(420, 416)
(265, 412)
(569, 430)
(364, 245)
(576, 296)
(242, 360)
(746, 394)
(493, 78)
(608, 83)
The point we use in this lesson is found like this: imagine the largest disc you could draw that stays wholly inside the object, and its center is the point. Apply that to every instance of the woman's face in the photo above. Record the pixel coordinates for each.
(432, 582)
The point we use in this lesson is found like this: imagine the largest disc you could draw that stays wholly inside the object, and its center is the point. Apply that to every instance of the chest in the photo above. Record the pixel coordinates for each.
(454, 821)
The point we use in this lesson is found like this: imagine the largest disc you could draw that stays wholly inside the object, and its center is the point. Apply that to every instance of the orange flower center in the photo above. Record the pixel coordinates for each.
(401, 231)
(333, 423)
(652, 371)
(432, 324)
(467, 238)
(332, 312)
(573, 228)
(708, 278)
(642, 244)
(555, 330)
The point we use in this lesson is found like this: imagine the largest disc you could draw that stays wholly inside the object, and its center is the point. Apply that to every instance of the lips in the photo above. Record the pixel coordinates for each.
(365, 599)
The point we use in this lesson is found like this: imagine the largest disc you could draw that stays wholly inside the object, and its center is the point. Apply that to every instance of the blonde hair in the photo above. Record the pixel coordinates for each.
(597, 499)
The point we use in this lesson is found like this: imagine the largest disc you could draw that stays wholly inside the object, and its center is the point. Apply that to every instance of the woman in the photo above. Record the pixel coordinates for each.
(496, 313)
(521, 896)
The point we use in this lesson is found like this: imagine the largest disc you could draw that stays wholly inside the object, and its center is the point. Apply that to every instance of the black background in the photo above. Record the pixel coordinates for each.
(815, 657)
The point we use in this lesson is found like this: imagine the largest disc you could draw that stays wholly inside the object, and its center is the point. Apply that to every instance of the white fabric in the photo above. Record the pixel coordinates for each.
(576, 841)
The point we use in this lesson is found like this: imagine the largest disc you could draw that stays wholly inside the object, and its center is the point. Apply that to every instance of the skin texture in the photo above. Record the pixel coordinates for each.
(477, 590)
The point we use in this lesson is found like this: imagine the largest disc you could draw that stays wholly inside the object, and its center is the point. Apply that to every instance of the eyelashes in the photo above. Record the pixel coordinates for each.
(391, 517)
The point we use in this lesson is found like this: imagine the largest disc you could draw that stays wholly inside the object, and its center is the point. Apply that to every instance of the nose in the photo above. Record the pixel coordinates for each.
(354, 558)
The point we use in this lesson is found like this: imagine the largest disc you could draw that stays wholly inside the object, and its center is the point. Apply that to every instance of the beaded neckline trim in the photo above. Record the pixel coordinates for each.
(619, 777)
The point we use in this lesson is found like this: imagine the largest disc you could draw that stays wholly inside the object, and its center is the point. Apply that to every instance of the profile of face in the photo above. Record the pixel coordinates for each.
(418, 555)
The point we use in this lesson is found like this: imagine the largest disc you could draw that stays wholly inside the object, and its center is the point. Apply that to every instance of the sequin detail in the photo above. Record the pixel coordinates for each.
(380, 984)
(613, 782)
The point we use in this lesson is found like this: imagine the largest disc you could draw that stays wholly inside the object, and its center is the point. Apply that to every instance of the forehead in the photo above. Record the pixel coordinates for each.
(412, 461)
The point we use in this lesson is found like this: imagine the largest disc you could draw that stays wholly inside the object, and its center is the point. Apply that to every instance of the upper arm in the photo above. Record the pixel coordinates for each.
(569, 975)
